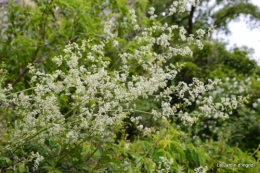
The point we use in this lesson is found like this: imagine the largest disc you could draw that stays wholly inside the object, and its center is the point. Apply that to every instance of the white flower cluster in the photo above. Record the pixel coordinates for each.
(223, 99)
(151, 12)
(201, 169)
(173, 8)
(256, 104)
(108, 29)
(220, 109)
(34, 158)
(181, 6)
(164, 165)
(234, 86)
(220, 102)
(37, 159)
(133, 19)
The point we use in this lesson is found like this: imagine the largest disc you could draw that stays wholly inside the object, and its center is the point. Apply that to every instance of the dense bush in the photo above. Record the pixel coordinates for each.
(73, 111)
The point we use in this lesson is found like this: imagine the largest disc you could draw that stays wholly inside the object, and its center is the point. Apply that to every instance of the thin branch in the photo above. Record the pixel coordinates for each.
(153, 145)
(99, 145)
(37, 60)
(190, 22)
(26, 68)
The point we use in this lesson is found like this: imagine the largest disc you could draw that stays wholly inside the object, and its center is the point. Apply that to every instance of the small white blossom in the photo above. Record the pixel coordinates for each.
(201, 169)
(115, 43)
(151, 10)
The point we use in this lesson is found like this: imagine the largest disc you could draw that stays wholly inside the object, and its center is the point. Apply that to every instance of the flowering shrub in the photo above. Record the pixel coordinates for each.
(83, 136)
(242, 125)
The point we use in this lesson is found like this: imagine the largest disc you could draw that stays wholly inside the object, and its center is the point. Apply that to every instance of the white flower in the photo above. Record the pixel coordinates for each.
(172, 10)
(199, 44)
(201, 169)
(201, 32)
(133, 17)
(57, 60)
(115, 43)
(151, 10)
(163, 40)
(108, 28)
(255, 105)
(37, 159)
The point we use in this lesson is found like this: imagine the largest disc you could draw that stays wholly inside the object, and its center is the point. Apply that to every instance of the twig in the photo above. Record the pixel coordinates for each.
(25, 69)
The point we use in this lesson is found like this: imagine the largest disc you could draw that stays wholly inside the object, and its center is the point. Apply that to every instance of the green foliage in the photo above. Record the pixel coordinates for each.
(36, 34)
(206, 14)
(233, 11)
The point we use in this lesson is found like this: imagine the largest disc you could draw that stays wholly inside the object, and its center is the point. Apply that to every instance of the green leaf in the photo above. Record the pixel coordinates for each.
(51, 162)
(22, 168)
(106, 59)
(58, 170)
(142, 4)
(5, 160)
(149, 165)
(258, 155)
(9, 171)
(146, 145)
(137, 146)
(194, 156)
(201, 157)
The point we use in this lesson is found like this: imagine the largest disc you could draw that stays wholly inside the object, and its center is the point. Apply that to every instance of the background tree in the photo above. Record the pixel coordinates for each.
(211, 13)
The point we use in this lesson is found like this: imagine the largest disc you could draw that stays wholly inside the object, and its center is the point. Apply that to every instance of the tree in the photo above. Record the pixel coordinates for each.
(208, 13)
